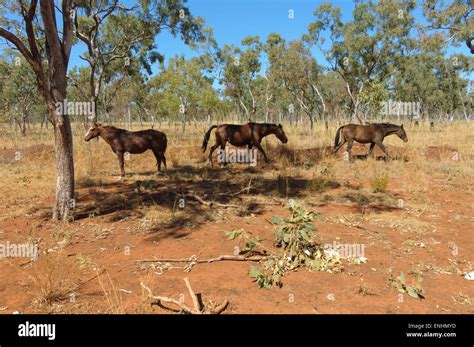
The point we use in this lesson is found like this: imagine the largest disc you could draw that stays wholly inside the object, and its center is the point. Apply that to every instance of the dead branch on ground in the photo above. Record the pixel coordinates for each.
(193, 260)
(198, 307)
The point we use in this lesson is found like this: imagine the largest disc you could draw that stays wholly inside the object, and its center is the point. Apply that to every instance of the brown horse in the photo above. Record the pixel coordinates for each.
(134, 142)
(372, 133)
(250, 134)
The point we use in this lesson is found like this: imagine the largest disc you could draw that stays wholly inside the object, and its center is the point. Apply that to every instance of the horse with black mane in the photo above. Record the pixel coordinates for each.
(250, 134)
(133, 142)
(371, 133)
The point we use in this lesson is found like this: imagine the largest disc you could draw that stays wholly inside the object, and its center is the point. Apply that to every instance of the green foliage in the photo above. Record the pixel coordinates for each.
(294, 236)
(20, 99)
(373, 95)
(380, 53)
(366, 48)
(274, 268)
(452, 18)
(414, 291)
(294, 233)
(250, 242)
(183, 90)
(379, 184)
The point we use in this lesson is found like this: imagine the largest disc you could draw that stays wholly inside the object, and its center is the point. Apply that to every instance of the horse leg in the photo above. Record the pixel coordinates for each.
(163, 159)
(121, 164)
(372, 145)
(223, 149)
(158, 159)
(213, 148)
(349, 149)
(382, 147)
(259, 147)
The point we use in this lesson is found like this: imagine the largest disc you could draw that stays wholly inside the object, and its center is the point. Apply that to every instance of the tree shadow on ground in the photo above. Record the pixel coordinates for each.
(202, 189)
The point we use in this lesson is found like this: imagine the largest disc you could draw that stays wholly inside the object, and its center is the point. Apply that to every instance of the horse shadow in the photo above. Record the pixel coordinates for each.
(201, 190)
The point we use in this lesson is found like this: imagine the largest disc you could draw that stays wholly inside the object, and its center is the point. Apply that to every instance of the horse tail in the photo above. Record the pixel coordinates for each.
(206, 138)
(338, 135)
(159, 141)
(165, 143)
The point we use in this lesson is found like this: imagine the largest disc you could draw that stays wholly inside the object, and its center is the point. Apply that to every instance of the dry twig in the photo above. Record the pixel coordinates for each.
(198, 308)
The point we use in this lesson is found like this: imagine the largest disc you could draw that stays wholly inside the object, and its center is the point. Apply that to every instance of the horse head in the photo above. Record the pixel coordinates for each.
(93, 132)
(402, 134)
(280, 134)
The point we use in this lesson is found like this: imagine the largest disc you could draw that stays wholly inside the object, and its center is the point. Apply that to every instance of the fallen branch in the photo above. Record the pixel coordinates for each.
(208, 203)
(194, 298)
(198, 308)
(195, 260)
(246, 190)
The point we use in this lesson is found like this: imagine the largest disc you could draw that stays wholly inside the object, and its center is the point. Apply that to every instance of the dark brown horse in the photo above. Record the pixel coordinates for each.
(372, 133)
(250, 134)
(133, 142)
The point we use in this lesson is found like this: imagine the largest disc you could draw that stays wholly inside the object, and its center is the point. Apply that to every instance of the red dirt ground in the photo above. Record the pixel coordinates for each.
(361, 288)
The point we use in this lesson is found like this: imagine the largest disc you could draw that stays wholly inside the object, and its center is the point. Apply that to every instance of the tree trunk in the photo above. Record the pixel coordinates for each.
(64, 170)
(184, 122)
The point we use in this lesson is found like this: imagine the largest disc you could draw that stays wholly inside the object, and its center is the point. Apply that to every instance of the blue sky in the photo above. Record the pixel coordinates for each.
(232, 20)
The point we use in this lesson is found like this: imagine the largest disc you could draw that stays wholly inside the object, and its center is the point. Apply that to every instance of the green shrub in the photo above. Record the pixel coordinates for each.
(379, 184)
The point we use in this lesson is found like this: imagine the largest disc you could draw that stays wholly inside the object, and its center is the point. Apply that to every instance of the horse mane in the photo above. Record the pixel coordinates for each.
(271, 125)
(387, 125)
(111, 127)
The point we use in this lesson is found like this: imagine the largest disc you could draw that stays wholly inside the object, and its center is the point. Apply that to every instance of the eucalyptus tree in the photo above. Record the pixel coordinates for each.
(182, 90)
(279, 100)
(433, 80)
(43, 33)
(455, 19)
(366, 48)
(296, 70)
(115, 34)
(241, 67)
(19, 96)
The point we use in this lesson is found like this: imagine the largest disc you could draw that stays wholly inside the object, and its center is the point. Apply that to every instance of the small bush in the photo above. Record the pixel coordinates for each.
(379, 184)
(54, 278)
(317, 184)
(294, 237)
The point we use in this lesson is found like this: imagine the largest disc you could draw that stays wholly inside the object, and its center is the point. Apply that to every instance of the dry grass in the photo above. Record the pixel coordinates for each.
(112, 295)
(370, 188)
(54, 278)
(95, 164)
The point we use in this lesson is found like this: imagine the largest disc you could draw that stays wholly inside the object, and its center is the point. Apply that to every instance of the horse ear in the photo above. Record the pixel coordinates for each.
(94, 123)
(402, 126)
(279, 125)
